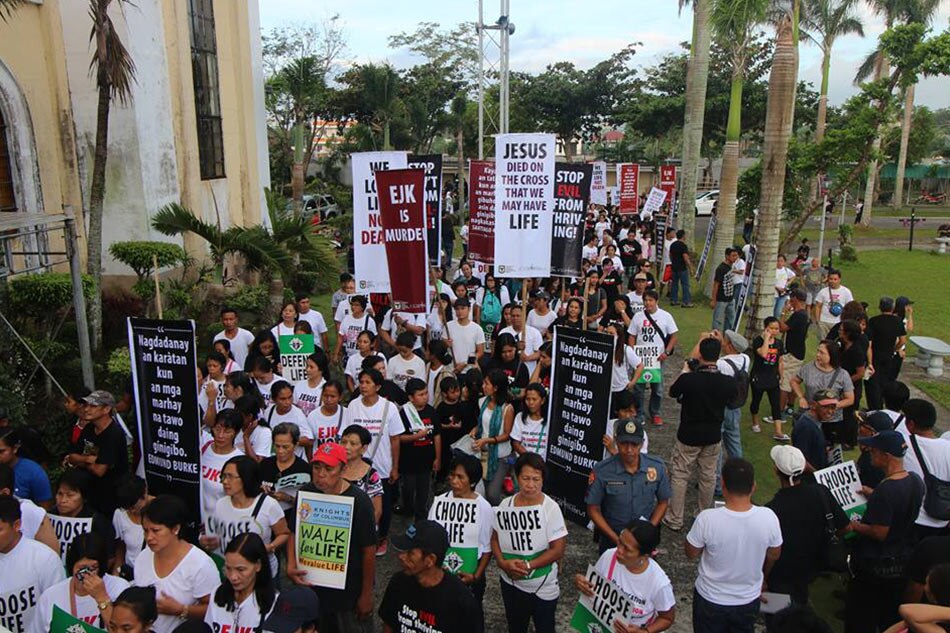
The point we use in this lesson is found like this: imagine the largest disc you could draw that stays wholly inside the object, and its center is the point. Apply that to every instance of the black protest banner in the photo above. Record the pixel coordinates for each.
(432, 165)
(166, 403)
(578, 409)
(710, 232)
(744, 289)
(571, 195)
(659, 237)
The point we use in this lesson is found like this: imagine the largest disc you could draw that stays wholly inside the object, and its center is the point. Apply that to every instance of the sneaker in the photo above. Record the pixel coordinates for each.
(767, 419)
(674, 303)
(382, 548)
(781, 438)
(756, 428)
(657, 421)
(687, 305)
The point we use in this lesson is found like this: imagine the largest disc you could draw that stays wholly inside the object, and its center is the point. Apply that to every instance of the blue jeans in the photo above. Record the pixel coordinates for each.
(716, 618)
(680, 278)
(779, 306)
(656, 397)
(724, 315)
(731, 442)
(522, 607)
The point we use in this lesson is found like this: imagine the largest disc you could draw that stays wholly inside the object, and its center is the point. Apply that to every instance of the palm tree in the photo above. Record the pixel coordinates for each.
(381, 90)
(696, 76)
(458, 107)
(733, 23)
(778, 130)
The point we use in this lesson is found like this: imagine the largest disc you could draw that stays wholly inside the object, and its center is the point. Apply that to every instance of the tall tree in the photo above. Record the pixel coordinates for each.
(371, 96)
(696, 77)
(457, 109)
(455, 49)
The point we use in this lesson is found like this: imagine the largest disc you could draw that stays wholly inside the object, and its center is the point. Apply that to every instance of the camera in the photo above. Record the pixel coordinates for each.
(82, 572)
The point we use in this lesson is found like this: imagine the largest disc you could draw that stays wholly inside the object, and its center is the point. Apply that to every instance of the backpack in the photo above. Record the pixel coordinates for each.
(742, 383)
(937, 492)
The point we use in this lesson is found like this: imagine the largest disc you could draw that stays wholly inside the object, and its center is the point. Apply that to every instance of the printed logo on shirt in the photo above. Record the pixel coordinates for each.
(412, 621)
(211, 474)
(15, 606)
(218, 627)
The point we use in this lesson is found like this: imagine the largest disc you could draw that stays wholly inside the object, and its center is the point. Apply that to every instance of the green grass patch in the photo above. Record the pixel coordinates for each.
(923, 211)
(939, 391)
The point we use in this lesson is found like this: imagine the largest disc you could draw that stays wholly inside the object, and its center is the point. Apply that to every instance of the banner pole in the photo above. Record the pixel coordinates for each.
(584, 311)
(158, 286)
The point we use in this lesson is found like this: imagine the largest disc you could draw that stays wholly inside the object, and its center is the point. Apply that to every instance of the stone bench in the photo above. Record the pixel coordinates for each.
(930, 353)
(942, 243)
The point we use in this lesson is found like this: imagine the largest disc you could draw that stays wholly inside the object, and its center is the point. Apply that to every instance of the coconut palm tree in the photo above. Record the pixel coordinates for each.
(381, 92)
(733, 23)
(696, 78)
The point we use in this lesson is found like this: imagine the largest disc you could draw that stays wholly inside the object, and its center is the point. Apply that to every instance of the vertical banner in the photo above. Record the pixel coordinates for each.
(432, 164)
(598, 183)
(578, 408)
(166, 406)
(524, 203)
(323, 537)
(659, 236)
(571, 193)
(403, 213)
(369, 253)
(609, 604)
(294, 350)
(628, 179)
(710, 233)
(481, 205)
(744, 290)
(845, 486)
(668, 183)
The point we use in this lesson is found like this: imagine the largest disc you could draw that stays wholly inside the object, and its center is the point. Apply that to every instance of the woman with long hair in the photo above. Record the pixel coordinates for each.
(307, 392)
(223, 346)
(489, 300)
(441, 366)
(627, 365)
(131, 495)
(440, 314)
(264, 346)
(495, 419)
(213, 383)
(542, 372)
(247, 593)
(236, 385)
(254, 439)
(288, 319)
(365, 347)
(825, 373)
(505, 356)
(214, 454)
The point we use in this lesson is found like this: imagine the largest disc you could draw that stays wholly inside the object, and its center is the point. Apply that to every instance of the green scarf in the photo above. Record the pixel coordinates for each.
(494, 428)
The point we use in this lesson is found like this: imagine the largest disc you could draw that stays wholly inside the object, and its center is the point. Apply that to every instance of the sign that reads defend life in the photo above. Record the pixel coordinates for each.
(403, 213)
(524, 203)
(369, 251)
(294, 351)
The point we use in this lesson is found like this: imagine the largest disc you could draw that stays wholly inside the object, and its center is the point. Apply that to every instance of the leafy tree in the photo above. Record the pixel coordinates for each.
(427, 90)
(455, 49)
(922, 131)
(371, 96)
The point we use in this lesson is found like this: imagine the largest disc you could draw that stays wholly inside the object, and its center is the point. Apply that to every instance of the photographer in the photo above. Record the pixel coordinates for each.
(704, 394)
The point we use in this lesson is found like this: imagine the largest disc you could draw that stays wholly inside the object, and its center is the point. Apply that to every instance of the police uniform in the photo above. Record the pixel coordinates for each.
(624, 496)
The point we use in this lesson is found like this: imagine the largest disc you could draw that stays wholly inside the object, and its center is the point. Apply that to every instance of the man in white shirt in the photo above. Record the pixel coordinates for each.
(465, 338)
(917, 427)
(317, 323)
(541, 317)
(829, 302)
(239, 338)
(736, 545)
(732, 361)
(396, 322)
(529, 339)
(652, 333)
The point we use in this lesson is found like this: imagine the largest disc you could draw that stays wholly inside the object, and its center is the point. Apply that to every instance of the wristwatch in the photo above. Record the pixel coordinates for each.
(105, 604)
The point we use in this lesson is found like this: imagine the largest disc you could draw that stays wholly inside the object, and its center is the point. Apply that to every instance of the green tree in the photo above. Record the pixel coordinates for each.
(371, 96)
(455, 49)
(696, 77)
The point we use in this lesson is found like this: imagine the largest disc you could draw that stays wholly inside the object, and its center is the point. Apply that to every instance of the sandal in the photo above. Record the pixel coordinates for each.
(756, 428)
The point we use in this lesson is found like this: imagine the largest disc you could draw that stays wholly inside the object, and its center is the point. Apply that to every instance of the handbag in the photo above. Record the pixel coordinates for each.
(834, 556)
(937, 492)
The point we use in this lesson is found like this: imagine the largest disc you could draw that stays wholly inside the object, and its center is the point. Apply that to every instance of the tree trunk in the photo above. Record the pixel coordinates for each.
(298, 170)
(905, 139)
(460, 152)
(822, 119)
(778, 131)
(882, 69)
(729, 177)
(697, 76)
(97, 194)
(568, 151)
(386, 145)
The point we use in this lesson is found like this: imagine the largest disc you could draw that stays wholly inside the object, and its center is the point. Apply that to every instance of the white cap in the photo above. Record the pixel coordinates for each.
(788, 459)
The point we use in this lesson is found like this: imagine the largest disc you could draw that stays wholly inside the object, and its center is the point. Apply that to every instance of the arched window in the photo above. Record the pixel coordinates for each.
(8, 200)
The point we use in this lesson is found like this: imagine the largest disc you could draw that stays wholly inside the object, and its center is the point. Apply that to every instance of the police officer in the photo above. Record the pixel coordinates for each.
(626, 486)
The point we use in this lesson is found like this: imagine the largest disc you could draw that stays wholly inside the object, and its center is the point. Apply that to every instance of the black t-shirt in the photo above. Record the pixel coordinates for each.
(270, 472)
(362, 535)
(110, 448)
(884, 330)
(797, 323)
(448, 607)
(801, 514)
(724, 292)
(853, 358)
(869, 474)
(764, 374)
(808, 437)
(611, 283)
(630, 251)
(895, 503)
(703, 395)
(929, 553)
(452, 413)
(516, 371)
(418, 456)
(678, 250)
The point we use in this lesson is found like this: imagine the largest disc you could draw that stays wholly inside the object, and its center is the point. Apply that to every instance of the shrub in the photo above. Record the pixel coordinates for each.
(42, 294)
(142, 256)
(251, 299)
(119, 365)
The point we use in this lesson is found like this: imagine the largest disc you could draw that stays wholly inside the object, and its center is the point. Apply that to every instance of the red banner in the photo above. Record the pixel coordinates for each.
(481, 204)
(402, 213)
(668, 183)
(628, 183)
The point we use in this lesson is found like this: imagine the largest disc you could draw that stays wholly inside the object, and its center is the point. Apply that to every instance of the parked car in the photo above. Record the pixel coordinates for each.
(320, 206)
(706, 202)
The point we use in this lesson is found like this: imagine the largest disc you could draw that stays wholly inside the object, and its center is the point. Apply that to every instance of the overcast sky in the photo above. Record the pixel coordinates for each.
(570, 30)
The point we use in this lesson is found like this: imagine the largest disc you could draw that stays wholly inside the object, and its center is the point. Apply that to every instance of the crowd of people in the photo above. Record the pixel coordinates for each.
(409, 414)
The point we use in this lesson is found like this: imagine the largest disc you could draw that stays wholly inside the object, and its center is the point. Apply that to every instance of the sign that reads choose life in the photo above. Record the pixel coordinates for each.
(524, 201)
(369, 251)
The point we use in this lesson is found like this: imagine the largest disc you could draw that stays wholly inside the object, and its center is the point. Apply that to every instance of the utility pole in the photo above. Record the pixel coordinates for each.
(492, 64)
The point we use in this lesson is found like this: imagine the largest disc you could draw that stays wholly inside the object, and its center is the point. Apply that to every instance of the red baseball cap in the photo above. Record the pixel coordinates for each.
(330, 454)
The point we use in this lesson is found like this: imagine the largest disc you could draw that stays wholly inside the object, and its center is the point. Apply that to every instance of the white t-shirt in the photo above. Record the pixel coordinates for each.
(484, 517)
(307, 398)
(350, 328)
(741, 361)
(782, 277)
(434, 323)
(526, 532)
(623, 372)
(265, 387)
(504, 450)
(294, 416)
(240, 344)
(317, 323)
(542, 322)
(354, 365)
(650, 591)
(195, 577)
(644, 448)
(261, 441)
(29, 569)
(636, 302)
(826, 296)
(666, 252)
(936, 452)
(325, 428)
(87, 609)
(31, 518)
(533, 434)
(738, 271)
(734, 546)
(246, 616)
(465, 338)
(211, 489)
(415, 320)
(281, 330)
(532, 342)
(600, 227)
(641, 328)
(400, 370)
(228, 522)
(130, 533)
(589, 253)
(221, 401)
(382, 421)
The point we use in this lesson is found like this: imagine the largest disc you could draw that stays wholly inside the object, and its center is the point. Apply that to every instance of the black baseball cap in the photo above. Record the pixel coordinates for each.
(890, 442)
(878, 421)
(295, 607)
(428, 536)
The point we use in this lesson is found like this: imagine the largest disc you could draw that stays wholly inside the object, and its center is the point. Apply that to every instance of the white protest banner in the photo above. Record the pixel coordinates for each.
(524, 203)
(598, 183)
(655, 200)
(845, 486)
(294, 351)
(650, 354)
(609, 604)
(324, 523)
(460, 519)
(68, 528)
(369, 250)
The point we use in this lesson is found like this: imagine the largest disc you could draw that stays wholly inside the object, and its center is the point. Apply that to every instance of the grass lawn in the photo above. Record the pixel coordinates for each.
(939, 391)
(899, 235)
(923, 210)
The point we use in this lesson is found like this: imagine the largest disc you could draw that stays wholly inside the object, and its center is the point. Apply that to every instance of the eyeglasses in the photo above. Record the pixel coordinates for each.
(229, 477)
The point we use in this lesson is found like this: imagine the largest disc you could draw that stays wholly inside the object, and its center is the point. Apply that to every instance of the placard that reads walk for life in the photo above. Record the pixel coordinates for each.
(432, 164)
(578, 409)
(571, 192)
(598, 183)
(402, 208)
(67, 529)
(650, 354)
(524, 204)
(294, 350)
(459, 517)
(481, 207)
(609, 604)
(845, 486)
(322, 537)
(369, 251)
